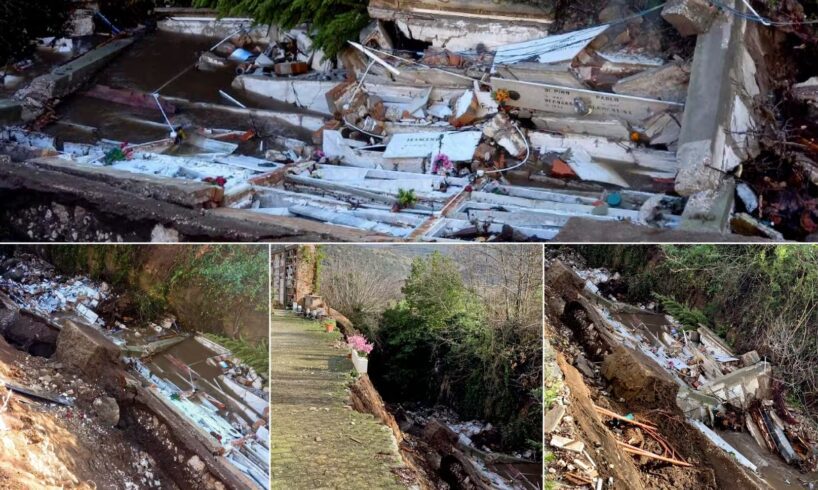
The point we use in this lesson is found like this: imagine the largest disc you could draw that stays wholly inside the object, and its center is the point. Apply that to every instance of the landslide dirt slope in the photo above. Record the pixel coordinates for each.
(53, 447)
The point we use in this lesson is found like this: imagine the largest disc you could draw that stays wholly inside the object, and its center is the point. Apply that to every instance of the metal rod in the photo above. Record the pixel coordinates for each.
(231, 99)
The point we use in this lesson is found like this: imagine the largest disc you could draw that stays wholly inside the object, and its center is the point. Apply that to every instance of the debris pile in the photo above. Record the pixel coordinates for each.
(34, 285)
(213, 388)
(720, 393)
(453, 142)
(474, 122)
(289, 55)
(467, 450)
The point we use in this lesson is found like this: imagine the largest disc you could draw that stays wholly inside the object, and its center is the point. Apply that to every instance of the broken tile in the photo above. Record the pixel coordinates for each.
(567, 444)
(553, 418)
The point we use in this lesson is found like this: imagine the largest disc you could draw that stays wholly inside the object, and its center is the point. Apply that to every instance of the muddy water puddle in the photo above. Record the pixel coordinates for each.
(200, 372)
(775, 471)
(157, 58)
(147, 66)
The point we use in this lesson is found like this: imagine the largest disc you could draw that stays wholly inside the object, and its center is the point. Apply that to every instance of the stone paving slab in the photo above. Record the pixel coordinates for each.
(317, 440)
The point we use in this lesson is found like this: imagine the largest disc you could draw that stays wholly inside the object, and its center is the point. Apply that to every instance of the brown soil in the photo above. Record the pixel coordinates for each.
(49, 446)
(634, 385)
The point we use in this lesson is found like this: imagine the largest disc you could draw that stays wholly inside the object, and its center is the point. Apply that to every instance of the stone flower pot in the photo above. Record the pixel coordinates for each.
(360, 362)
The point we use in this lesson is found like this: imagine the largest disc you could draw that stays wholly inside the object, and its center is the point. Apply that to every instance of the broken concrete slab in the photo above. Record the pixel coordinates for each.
(750, 358)
(553, 418)
(375, 35)
(505, 134)
(586, 169)
(668, 83)
(213, 27)
(186, 193)
(85, 349)
(556, 74)
(463, 25)
(696, 405)
(607, 151)
(262, 116)
(606, 128)
(710, 210)
(457, 146)
(718, 136)
(742, 386)
(690, 17)
(564, 100)
(67, 78)
(306, 94)
(567, 443)
(663, 129)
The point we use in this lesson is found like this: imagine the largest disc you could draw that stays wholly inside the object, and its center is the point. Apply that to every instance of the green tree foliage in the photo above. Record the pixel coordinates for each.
(22, 22)
(333, 22)
(437, 345)
(690, 318)
(232, 274)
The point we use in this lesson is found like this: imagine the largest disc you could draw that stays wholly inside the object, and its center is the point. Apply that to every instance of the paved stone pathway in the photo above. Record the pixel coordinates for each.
(317, 440)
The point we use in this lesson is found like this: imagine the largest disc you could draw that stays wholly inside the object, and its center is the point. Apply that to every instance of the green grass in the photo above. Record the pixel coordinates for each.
(255, 354)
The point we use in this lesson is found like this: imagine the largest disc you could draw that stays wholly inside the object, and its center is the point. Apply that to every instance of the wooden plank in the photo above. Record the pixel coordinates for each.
(185, 193)
(562, 100)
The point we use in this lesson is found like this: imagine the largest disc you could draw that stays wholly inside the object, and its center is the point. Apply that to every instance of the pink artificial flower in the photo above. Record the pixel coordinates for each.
(441, 162)
(359, 343)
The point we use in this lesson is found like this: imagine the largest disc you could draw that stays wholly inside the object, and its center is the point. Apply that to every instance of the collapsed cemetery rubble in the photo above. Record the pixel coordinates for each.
(640, 401)
(506, 128)
(198, 412)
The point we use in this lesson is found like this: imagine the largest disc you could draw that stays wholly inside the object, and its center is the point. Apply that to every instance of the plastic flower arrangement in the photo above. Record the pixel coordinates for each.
(360, 344)
(442, 164)
(501, 96)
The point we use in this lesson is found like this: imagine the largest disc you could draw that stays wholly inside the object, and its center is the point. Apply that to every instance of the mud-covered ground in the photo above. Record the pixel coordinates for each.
(586, 372)
(46, 445)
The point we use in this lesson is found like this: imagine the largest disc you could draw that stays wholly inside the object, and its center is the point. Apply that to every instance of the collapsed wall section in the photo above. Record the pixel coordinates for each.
(717, 137)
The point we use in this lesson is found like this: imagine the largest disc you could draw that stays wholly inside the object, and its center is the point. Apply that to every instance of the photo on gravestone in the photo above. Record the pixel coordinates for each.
(134, 367)
(406, 367)
(680, 366)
